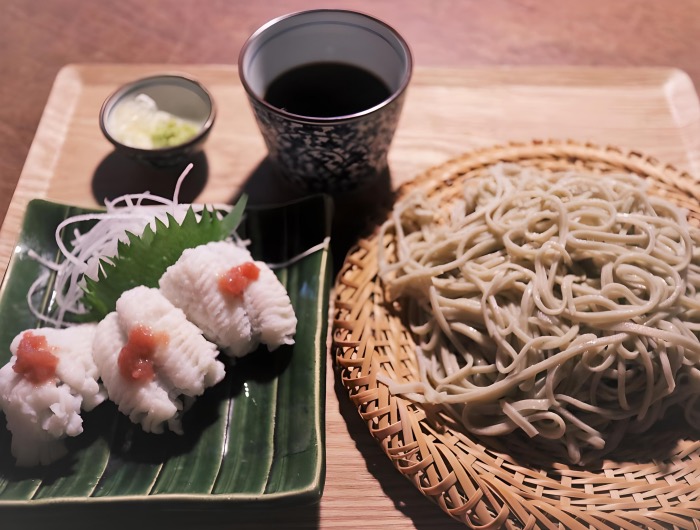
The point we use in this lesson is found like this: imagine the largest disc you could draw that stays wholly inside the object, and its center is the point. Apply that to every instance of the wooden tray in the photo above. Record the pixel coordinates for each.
(447, 112)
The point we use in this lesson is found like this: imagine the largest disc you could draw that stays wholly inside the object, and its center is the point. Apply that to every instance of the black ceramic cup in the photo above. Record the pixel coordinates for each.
(326, 87)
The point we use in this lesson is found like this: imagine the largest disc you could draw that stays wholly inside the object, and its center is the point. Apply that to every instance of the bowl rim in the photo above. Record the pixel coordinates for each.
(325, 120)
(125, 88)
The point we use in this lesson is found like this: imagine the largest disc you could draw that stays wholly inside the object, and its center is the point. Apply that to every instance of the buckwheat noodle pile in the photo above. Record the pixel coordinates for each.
(562, 304)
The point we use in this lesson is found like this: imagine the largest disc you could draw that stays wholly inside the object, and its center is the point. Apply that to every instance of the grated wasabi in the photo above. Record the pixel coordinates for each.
(138, 122)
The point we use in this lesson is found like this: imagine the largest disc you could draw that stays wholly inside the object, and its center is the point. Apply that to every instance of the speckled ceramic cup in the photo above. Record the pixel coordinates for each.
(327, 153)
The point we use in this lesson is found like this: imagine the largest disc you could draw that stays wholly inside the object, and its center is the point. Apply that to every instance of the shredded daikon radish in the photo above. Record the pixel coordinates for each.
(86, 252)
(83, 254)
(323, 245)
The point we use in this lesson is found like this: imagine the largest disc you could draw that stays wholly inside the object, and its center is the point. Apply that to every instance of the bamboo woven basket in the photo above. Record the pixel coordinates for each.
(479, 482)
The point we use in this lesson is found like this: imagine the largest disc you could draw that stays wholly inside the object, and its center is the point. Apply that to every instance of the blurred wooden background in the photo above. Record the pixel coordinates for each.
(38, 38)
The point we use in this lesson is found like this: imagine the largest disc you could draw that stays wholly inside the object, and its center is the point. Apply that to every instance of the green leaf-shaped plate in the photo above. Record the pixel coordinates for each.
(256, 438)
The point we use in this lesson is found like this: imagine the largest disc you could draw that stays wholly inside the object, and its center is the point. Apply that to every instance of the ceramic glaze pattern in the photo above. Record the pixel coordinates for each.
(329, 157)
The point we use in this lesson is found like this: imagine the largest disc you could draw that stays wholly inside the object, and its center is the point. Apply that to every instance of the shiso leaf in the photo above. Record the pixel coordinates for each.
(144, 259)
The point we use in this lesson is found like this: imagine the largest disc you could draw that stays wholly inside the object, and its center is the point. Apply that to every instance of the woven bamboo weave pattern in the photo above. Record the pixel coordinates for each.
(651, 483)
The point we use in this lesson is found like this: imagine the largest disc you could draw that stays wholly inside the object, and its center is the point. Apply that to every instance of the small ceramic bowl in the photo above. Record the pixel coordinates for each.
(178, 135)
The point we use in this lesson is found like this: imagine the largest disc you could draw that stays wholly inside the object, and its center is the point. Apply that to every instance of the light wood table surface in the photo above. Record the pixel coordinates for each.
(463, 51)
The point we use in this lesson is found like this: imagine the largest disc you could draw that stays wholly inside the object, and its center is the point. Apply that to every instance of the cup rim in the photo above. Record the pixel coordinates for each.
(117, 94)
(396, 94)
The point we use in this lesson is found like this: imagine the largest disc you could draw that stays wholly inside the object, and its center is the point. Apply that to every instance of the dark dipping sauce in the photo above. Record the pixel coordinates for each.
(325, 90)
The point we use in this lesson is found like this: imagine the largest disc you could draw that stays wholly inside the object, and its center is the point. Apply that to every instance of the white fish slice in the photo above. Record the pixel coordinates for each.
(185, 364)
(238, 324)
(41, 415)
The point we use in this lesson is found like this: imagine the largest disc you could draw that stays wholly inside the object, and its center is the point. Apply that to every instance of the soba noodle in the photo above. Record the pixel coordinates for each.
(564, 304)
